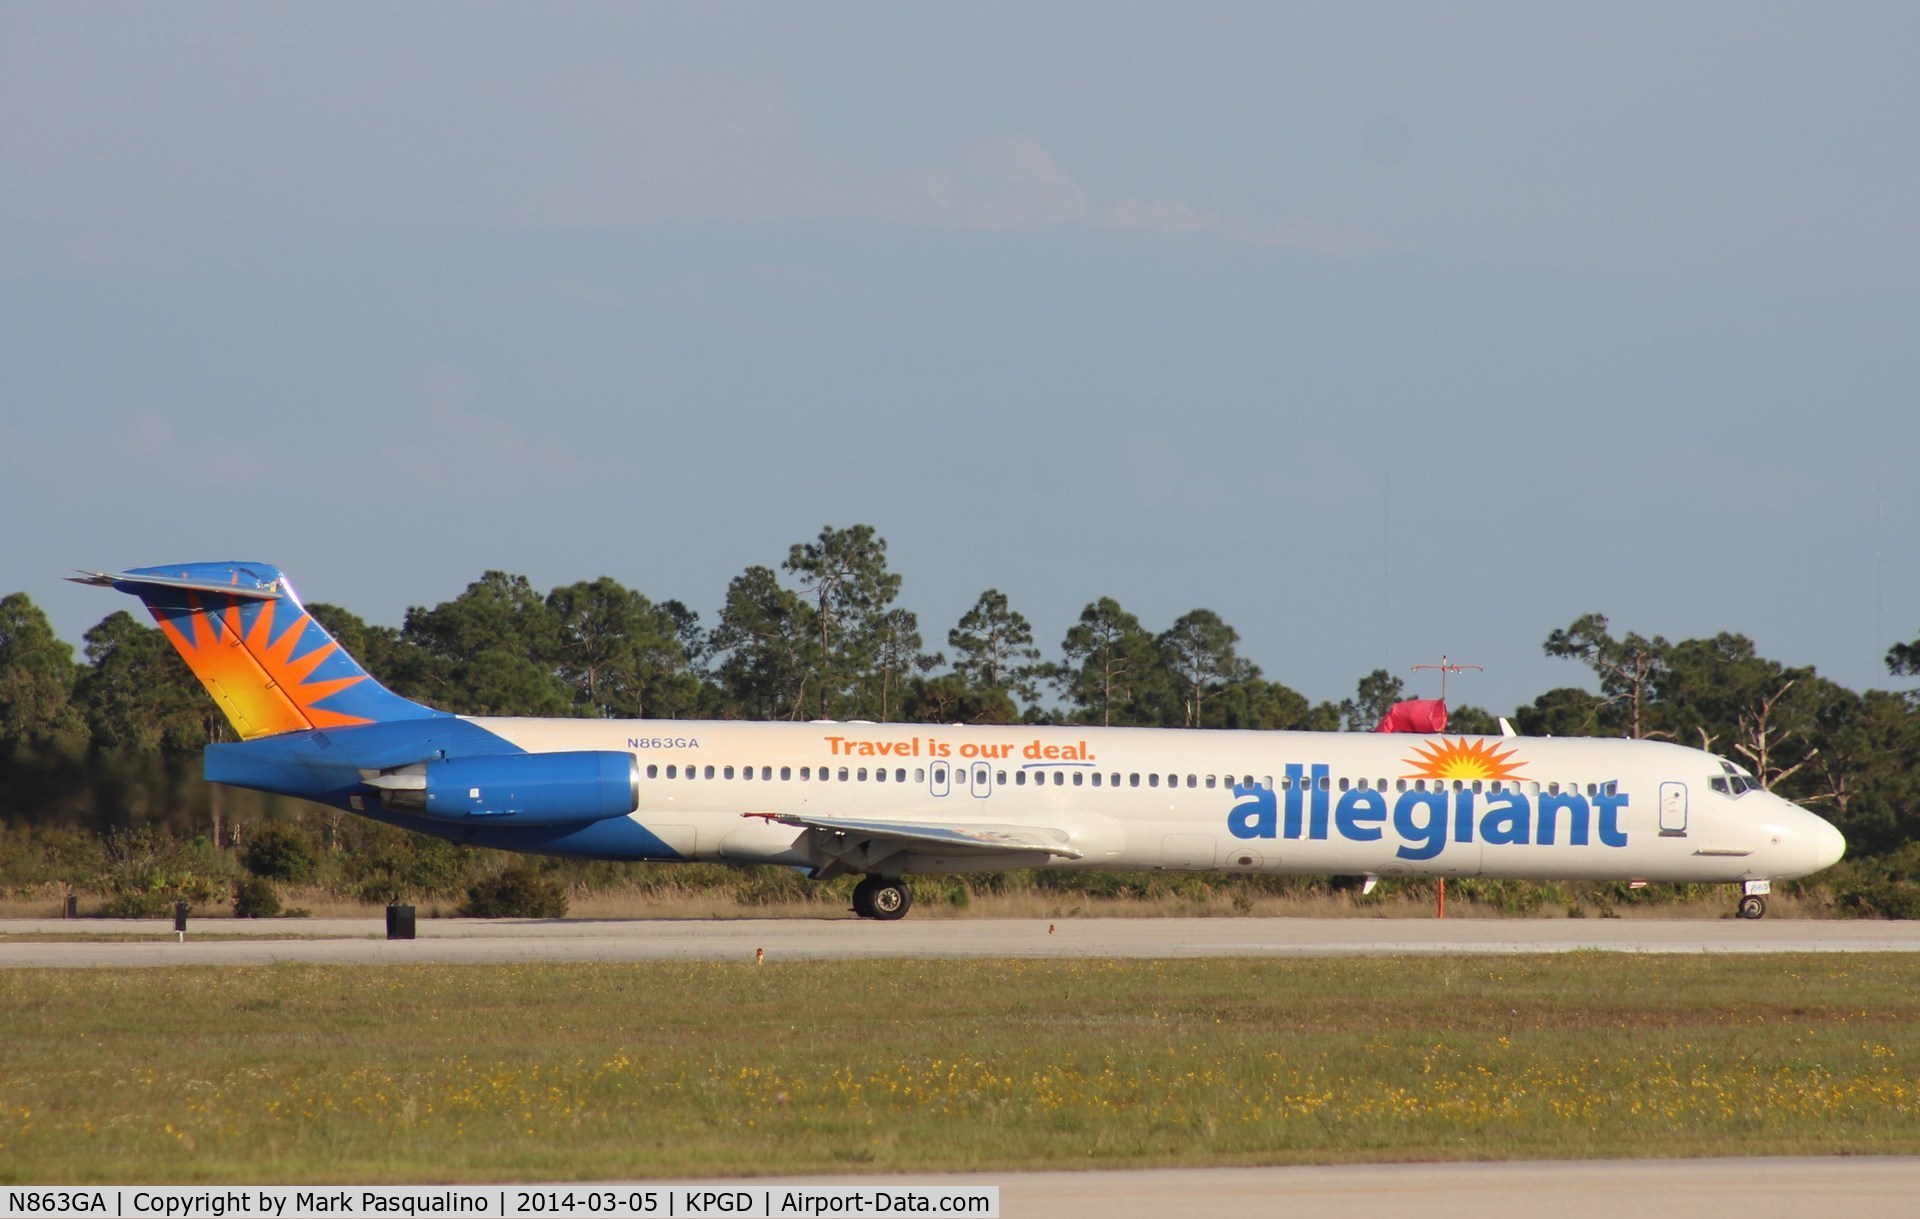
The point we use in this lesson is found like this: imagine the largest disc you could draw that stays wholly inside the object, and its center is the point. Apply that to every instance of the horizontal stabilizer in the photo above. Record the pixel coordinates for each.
(986, 839)
(133, 581)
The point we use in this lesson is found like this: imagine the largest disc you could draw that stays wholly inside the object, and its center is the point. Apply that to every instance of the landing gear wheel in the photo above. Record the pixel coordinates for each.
(882, 897)
(1752, 906)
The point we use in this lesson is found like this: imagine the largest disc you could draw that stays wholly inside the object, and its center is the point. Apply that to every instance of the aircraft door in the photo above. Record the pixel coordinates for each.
(982, 780)
(1673, 810)
(939, 781)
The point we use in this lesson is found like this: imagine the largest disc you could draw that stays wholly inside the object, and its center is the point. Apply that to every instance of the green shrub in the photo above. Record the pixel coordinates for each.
(518, 892)
(255, 897)
(282, 853)
(137, 903)
(398, 866)
(1892, 899)
(144, 874)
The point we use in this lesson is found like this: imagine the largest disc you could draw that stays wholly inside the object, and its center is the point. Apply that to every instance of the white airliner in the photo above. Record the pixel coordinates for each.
(887, 801)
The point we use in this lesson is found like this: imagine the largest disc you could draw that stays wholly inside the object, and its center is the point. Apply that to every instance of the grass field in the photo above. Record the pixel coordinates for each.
(474, 1073)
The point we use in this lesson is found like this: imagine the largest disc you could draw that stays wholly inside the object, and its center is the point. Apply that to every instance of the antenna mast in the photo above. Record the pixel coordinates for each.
(1447, 666)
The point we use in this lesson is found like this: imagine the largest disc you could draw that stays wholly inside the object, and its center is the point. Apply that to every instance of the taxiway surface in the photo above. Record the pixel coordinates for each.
(53, 942)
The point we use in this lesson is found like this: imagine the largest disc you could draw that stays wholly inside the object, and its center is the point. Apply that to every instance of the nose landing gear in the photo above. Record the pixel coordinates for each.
(882, 897)
(1754, 902)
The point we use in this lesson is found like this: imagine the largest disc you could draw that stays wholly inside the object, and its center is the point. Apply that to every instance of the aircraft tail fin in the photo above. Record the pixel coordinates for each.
(271, 667)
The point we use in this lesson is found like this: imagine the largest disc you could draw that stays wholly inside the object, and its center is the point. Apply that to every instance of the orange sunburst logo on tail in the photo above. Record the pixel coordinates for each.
(253, 674)
(1462, 759)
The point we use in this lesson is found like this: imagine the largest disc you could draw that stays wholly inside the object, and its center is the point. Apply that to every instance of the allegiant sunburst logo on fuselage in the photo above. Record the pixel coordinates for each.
(1436, 802)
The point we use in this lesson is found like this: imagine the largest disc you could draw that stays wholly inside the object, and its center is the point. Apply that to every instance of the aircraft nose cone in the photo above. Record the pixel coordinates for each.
(1828, 844)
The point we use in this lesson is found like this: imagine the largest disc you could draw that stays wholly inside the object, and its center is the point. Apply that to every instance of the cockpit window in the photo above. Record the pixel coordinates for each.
(1737, 781)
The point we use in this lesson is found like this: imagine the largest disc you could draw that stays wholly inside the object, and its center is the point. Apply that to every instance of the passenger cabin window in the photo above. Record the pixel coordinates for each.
(653, 771)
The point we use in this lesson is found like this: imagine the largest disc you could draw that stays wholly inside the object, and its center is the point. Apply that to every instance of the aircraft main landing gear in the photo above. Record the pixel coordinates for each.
(882, 897)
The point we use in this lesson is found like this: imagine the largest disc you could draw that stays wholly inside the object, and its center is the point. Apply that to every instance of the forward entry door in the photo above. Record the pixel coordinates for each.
(1673, 810)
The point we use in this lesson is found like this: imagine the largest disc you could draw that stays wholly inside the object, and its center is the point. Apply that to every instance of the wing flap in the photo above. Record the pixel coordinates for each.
(984, 839)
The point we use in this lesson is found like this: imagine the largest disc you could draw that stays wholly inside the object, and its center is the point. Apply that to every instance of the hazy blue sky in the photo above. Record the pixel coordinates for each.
(1383, 330)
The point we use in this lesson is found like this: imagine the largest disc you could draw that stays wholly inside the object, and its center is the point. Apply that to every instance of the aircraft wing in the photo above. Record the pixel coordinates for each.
(949, 837)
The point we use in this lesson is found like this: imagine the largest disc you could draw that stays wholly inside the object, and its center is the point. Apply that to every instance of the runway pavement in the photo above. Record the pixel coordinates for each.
(361, 941)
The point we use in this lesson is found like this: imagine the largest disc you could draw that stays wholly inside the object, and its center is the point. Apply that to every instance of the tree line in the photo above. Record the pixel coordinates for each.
(110, 740)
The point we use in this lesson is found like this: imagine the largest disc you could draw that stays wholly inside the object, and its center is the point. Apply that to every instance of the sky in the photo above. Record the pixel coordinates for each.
(1386, 331)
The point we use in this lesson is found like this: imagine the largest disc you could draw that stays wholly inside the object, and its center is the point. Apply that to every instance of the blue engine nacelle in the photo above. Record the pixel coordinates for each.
(517, 789)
